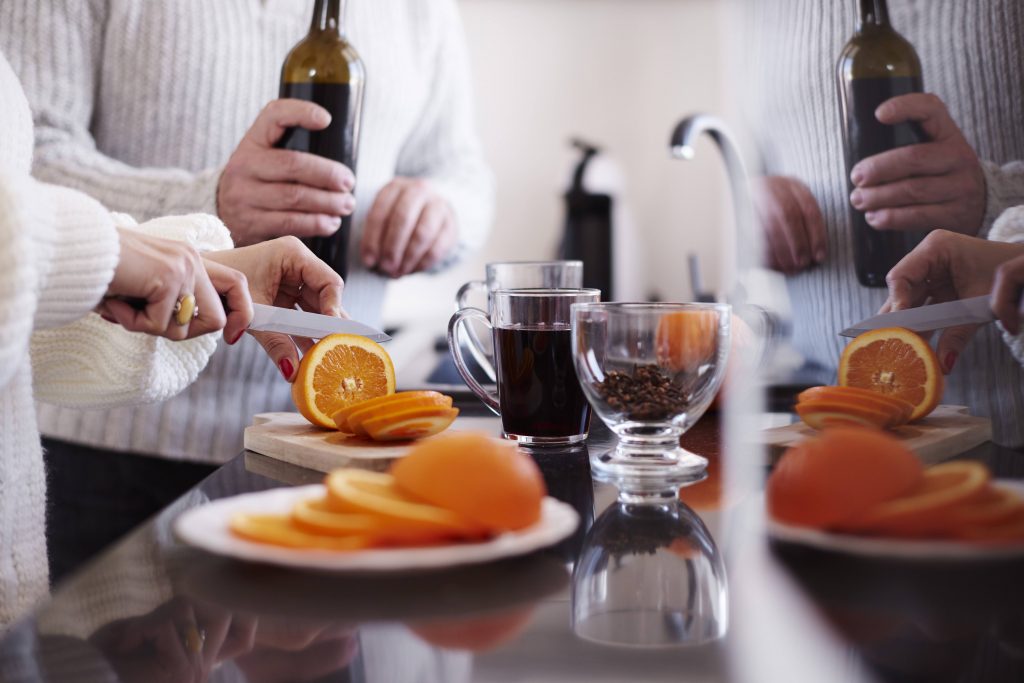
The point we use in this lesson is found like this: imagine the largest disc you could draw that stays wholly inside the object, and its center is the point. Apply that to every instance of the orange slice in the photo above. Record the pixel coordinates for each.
(358, 419)
(411, 424)
(375, 493)
(894, 362)
(314, 516)
(822, 413)
(924, 511)
(863, 397)
(279, 530)
(993, 506)
(341, 417)
(341, 370)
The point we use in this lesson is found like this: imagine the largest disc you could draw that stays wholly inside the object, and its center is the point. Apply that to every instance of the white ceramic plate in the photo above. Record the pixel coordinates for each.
(206, 527)
(868, 546)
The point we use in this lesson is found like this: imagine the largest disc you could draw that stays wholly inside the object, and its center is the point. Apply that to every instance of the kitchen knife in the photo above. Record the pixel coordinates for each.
(928, 318)
(303, 324)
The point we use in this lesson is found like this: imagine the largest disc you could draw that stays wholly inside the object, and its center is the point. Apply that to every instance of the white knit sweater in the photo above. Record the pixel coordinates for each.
(141, 103)
(58, 251)
(972, 52)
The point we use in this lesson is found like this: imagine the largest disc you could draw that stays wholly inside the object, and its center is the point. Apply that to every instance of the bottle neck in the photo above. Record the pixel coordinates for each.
(874, 13)
(327, 16)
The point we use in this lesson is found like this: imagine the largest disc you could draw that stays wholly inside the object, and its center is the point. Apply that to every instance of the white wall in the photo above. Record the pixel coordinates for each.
(619, 73)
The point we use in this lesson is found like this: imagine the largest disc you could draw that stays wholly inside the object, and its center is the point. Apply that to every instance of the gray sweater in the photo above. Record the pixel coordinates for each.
(972, 52)
(140, 104)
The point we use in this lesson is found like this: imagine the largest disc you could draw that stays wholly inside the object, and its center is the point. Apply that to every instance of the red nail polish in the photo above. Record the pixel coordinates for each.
(287, 368)
(951, 360)
(237, 337)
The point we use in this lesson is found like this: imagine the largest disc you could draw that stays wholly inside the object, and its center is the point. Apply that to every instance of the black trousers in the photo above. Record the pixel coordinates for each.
(94, 497)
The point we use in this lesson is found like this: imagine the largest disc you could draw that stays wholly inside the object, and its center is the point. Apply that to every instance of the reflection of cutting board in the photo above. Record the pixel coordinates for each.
(948, 431)
(290, 438)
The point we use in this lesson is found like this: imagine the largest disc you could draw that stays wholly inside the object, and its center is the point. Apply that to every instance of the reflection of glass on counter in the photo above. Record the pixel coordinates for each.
(649, 575)
(567, 477)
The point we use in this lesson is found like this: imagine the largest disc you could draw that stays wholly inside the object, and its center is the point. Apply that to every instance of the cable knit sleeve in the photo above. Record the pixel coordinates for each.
(55, 48)
(445, 148)
(93, 363)
(1004, 189)
(1009, 227)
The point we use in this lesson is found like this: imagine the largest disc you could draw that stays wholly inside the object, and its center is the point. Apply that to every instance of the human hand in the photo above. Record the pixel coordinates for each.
(152, 274)
(1007, 296)
(793, 227)
(935, 184)
(283, 272)
(947, 266)
(266, 192)
(409, 228)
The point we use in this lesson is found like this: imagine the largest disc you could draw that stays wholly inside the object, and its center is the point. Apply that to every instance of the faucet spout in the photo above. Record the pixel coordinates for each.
(684, 137)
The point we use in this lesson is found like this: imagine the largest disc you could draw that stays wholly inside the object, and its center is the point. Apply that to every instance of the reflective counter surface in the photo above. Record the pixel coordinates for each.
(638, 593)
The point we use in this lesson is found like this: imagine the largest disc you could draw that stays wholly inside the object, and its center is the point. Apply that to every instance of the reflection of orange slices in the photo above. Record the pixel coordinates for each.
(477, 634)
(828, 481)
(897, 408)
(894, 362)
(687, 339)
(926, 509)
(340, 370)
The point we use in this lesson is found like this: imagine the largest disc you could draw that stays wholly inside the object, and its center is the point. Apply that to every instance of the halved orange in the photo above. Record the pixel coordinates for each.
(341, 417)
(375, 493)
(358, 419)
(924, 511)
(822, 413)
(279, 530)
(412, 424)
(341, 370)
(895, 362)
(863, 397)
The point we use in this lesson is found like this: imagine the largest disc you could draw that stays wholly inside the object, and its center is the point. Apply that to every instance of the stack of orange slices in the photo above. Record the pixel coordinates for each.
(887, 378)
(347, 382)
(458, 487)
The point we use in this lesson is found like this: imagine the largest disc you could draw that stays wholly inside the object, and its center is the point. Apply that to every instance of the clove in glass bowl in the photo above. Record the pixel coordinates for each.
(650, 371)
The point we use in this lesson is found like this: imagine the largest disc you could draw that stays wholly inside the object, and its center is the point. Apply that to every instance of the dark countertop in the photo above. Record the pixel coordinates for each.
(152, 609)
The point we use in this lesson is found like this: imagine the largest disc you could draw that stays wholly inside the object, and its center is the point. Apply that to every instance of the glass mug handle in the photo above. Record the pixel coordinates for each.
(455, 347)
(476, 347)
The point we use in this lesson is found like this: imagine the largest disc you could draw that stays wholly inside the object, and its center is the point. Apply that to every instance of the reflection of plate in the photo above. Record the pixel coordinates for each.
(870, 546)
(206, 527)
(458, 592)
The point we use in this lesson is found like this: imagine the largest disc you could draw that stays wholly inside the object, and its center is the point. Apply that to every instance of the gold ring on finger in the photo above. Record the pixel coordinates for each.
(185, 309)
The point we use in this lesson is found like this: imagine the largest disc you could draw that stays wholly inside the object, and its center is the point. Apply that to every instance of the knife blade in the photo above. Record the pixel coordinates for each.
(304, 324)
(928, 318)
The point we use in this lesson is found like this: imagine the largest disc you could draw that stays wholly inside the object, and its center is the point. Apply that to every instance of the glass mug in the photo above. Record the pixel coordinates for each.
(539, 399)
(513, 275)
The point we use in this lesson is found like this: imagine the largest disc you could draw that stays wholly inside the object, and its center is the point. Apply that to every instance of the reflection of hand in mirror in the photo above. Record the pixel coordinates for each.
(293, 650)
(177, 642)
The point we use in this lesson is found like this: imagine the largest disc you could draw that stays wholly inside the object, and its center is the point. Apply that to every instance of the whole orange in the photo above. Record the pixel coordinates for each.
(829, 480)
(482, 479)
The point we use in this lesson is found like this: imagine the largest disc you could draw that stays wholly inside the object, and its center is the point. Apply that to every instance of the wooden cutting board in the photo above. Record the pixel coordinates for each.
(947, 432)
(290, 438)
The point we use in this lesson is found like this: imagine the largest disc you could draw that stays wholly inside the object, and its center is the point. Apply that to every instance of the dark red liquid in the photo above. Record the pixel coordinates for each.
(338, 142)
(875, 252)
(537, 386)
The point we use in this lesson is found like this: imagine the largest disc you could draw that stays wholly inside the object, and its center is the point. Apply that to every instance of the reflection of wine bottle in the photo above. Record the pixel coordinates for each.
(324, 68)
(874, 66)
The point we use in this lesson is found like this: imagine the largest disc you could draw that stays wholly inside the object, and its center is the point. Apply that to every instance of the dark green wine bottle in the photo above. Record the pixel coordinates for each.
(324, 68)
(875, 65)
